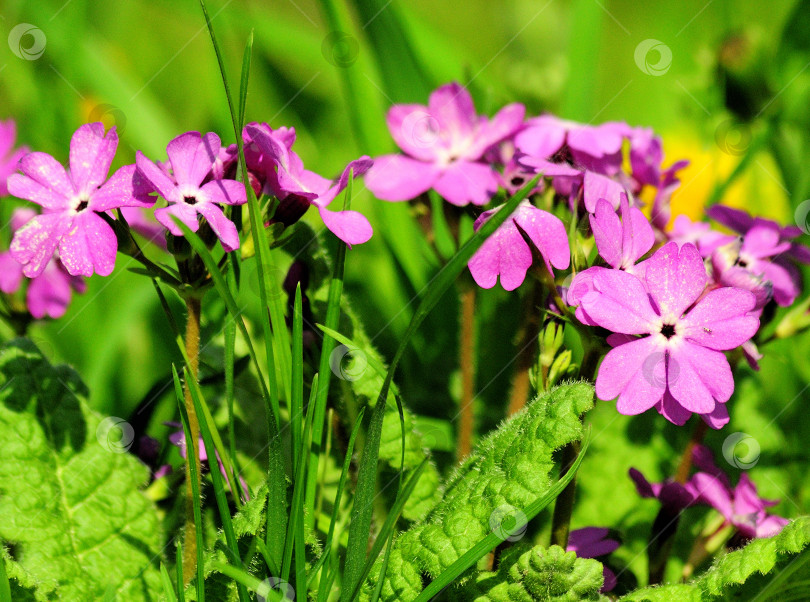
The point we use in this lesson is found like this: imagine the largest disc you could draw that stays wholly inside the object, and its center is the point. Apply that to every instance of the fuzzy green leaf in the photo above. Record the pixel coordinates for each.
(76, 523)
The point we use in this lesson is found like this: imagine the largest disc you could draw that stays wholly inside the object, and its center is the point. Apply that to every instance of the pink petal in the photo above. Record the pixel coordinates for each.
(349, 226)
(463, 182)
(710, 490)
(126, 188)
(643, 486)
(637, 234)
(192, 156)
(49, 293)
(45, 182)
(675, 278)
(91, 153)
(672, 410)
(735, 219)
(771, 525)
(221, 225)
(452, 106)
(619, 303)
(591, 542)
(548, 234)
(162, 183)
(717, 418)
(581, 285)
(90, 246)
(225, 192)
(505, 123)
(505, 253)
(595, 141)
(185, 213)
(785, 278)
(34, 244)
(720, 319)
(698, 376)
(542, 137)
(597, 187)
(11, 272)
(607, 232)
(414, 130)
(357, 168)
(632, 373)
(399, 178)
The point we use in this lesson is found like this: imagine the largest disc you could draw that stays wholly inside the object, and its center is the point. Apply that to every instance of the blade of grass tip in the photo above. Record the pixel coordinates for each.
(219, 486)
(5, 586)
(264, 261)
(168, 588)
(344, 473)
(277, 486)
(178, 569)
(245, 579)
(324, 369)
(386, 533)
(360, 526)
(243, 80)
(198, 527)
(497, 536)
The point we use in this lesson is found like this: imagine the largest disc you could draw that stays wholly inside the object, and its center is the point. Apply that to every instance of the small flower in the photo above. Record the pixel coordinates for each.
(9, 157)
(297, 188)
(71, 204)
(444, 144)
(741, 505)
(47, 294)
(506, 252)
(677, 365)
(192, 158)
(700, 234)
(672, 495)
(593, 542)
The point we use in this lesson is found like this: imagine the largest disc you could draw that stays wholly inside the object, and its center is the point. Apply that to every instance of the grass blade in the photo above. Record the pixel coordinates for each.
(367, 473)
(243, 80)
(168, 588)
(496, 537)
(178, 568)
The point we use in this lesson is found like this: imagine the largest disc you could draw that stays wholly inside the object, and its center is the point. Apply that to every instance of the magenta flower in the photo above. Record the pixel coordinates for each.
(741, 506)
(677, 364)
(593, 542)
(71, 203)
(297, 188)
(506, 252)
(9, 157)
(699, 234)
(192, 158)
(672, 495)
(49, 293)
(444, 145)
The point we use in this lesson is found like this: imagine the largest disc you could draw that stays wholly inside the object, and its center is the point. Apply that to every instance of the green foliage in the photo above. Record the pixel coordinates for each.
(74, 521)
(508, 470)
(765, 569)
(536, 574)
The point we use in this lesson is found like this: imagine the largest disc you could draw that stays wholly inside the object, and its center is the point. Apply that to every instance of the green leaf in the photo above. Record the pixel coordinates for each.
(509, 474)
(70, 496)
(536, 574)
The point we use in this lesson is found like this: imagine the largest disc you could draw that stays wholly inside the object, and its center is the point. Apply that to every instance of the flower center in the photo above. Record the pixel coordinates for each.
(668, 330)
(190, 200)
(82, 204)
(516, 181)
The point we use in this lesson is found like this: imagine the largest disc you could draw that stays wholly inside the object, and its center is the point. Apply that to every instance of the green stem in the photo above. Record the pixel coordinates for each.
(466, 428)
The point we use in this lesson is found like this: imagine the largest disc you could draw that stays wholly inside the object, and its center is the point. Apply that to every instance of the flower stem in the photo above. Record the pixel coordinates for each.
(467, 366)
(193, 307)
(527, 346)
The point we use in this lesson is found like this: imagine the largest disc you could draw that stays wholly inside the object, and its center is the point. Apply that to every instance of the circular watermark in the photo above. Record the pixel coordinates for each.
(653, 57)
(802, 216)
(741, 450)
(421, 129)
(348, 363)
(110, 116)
(508, 522)
(27, 41)
(115, 434)
(660, 370)
(435, 438)
(340, 49)
(274, 589)
(732, 137)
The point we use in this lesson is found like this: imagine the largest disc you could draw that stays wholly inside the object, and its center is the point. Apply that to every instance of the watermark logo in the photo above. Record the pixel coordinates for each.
(348, 363)
(653, 57)
(340, 49)
(660, 370)
(733, 138)
(508, 522)
(27, 41)
(802, 216)
(274, 589)
(115, 434)
(110, 116)
(421, 129)
(741, 450)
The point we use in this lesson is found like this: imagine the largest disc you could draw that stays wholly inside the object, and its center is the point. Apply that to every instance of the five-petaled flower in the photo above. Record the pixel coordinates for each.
(189, 189)
(71, 203)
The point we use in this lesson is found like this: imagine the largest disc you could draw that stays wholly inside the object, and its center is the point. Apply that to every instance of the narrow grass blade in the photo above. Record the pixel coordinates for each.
(192, 445)
(367, 473)
(243, 80)
(178, 569)
(445, 243)
(297, 399)
(168, 588)
(5, 586)
(496, 537)
(245, 579)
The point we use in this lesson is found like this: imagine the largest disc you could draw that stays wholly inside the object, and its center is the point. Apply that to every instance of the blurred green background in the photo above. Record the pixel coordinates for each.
(724, 82)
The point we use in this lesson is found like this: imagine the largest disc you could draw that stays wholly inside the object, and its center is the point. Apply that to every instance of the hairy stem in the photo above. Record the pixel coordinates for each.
(527, 350)
(467, 366)
(192, 455)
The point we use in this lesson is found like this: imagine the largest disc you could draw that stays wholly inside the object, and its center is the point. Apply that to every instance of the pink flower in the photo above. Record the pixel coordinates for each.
(672, 495)
(593, 542)
(677, 364)
(9, 157)
(193, 157)
(71, 204)
(297, 188)
(506, 252)
(444, 145)
(699, 234)
(49, 293)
